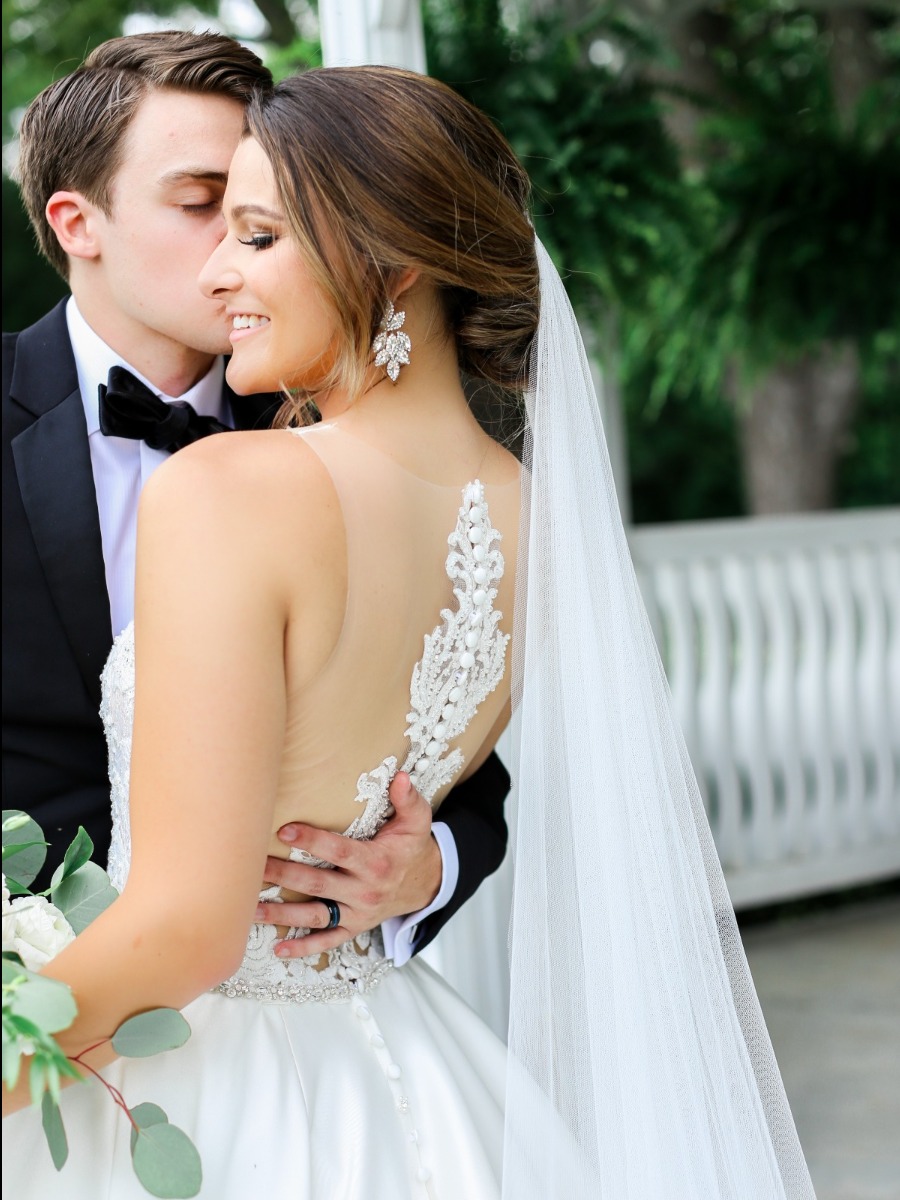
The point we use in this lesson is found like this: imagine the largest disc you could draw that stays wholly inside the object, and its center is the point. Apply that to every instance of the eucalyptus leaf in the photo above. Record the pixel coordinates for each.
(52, 1081)
(83, 896)
(12, 1057)
(15, 821)
(15, 888)
(54, 1131)
(166, 1162)
(37, 1079)
(25, 840)
(14, 847)
(144, 1115)
(13, 968)
(151, 1033)
(46, 1003)
(23, 1028)
(79, 852)
(28, 1044)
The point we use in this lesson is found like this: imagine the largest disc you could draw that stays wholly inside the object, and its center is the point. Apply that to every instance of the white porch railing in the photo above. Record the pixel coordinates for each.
(781, 641)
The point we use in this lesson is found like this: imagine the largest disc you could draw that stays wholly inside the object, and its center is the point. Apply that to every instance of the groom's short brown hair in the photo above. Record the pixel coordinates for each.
(72, 134)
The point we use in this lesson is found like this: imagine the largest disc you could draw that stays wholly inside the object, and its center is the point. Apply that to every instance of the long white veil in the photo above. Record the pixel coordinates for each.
(640, 1064)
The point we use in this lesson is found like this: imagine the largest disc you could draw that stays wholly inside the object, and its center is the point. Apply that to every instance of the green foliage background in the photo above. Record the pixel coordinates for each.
(781, 234)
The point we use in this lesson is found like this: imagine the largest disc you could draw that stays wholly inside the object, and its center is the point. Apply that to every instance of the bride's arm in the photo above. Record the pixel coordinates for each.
(209, 724)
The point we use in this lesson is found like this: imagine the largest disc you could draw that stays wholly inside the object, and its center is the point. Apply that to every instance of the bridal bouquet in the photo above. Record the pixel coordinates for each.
(35, 1007)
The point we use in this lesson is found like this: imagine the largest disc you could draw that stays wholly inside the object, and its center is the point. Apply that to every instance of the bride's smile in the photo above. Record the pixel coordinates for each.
(283, 326)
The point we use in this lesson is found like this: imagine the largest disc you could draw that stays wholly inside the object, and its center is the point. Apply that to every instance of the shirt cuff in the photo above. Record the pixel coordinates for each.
(399, 933)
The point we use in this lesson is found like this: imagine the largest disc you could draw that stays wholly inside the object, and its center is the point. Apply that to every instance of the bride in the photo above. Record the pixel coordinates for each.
(372, 590)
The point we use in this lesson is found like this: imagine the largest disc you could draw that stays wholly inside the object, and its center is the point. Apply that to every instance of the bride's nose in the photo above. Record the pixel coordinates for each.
(217, 278)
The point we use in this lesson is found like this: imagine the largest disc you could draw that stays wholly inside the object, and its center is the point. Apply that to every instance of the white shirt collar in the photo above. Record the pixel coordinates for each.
(93, 360)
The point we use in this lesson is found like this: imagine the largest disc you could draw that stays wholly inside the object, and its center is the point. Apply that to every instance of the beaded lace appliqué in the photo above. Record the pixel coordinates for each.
(461, 664)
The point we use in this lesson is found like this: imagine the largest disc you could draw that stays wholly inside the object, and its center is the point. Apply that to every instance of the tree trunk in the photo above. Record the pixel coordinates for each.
(282, 30)
(794, 425)
(854, 60)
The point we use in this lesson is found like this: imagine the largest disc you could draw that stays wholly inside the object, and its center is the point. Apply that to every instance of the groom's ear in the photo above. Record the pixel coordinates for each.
(74, 220)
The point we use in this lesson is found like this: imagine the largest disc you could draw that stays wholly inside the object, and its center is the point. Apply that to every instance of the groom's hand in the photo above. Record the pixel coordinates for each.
(397, 872)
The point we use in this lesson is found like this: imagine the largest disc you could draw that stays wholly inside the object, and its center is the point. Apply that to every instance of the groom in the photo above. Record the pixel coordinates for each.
(123, 165)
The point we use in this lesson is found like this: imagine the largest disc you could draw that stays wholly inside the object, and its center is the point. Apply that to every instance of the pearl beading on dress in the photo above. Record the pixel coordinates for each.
(462, 662)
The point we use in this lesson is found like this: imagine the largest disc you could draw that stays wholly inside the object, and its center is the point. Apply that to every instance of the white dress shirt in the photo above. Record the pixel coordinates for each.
(121, 467)
(399, 933)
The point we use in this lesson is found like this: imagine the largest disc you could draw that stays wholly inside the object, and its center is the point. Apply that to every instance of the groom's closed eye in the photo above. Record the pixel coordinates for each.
(196, 190)
(207, 206)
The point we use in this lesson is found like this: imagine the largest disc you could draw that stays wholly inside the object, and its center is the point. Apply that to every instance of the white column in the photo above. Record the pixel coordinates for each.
(384, 32)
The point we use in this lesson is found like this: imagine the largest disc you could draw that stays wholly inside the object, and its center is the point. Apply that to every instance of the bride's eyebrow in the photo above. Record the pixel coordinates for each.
(256, 210)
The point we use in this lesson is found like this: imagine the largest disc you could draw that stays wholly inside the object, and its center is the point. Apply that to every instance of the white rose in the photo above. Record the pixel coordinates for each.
(36, 930)
(9, 926)
(9, 920)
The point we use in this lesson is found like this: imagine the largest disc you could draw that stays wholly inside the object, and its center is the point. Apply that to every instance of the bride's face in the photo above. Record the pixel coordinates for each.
(282, 330)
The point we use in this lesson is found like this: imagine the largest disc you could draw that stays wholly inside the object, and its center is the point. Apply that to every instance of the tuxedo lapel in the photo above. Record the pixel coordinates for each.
(53, 468)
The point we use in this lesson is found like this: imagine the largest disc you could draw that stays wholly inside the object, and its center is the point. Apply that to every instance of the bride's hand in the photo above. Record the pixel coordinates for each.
(396, 873)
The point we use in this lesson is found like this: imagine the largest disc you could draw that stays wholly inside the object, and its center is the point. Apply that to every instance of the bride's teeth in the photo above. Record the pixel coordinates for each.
(245, 321)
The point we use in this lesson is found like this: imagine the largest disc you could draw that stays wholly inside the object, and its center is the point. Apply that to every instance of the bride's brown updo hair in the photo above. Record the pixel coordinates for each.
(380, 170)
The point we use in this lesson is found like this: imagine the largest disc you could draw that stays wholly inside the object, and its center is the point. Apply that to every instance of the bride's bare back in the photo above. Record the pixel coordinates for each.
(381, 586)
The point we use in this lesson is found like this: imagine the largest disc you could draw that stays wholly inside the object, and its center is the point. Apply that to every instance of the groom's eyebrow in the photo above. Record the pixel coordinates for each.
(193, 175)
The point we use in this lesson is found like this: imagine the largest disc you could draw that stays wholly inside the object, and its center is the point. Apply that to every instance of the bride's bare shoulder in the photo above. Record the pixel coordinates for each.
(251, 490)
(257, 467)
(502, 464)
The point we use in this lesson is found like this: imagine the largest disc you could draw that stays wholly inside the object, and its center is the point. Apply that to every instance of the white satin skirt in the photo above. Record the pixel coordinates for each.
(393, 1095)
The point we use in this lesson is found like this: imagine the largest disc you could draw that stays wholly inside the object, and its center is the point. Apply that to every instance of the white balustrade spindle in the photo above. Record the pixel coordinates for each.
(781, 641)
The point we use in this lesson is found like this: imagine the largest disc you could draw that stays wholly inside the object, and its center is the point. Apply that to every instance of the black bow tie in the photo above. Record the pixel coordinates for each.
(129, 409)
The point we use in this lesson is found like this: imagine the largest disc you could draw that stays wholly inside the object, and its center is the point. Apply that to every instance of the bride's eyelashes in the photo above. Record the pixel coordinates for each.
(259, 241)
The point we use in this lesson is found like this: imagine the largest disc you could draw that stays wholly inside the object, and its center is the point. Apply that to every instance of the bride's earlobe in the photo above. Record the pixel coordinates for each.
(409, 278)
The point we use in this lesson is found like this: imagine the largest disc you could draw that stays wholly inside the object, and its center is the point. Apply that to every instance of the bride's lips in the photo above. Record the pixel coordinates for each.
(245, 324)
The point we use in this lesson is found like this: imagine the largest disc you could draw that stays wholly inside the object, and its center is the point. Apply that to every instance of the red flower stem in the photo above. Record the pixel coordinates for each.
(113, 1091)
(87, 1050)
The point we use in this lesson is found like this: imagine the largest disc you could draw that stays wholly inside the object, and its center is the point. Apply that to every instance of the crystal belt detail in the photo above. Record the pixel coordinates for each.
(337, 975)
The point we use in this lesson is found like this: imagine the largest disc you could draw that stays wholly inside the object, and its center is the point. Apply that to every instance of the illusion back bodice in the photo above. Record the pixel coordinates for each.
(415, 681)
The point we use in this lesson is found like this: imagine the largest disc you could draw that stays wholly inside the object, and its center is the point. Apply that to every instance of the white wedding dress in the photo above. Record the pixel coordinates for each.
(359, 1081)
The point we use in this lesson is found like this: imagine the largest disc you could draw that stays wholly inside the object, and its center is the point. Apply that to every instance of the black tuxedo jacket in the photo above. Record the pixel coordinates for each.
(56, 619)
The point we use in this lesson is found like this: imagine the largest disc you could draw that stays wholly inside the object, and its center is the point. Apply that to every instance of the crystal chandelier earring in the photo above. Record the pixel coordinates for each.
(391, 347)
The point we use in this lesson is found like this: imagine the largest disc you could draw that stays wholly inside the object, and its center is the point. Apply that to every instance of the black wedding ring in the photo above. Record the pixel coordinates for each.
(334, 913)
